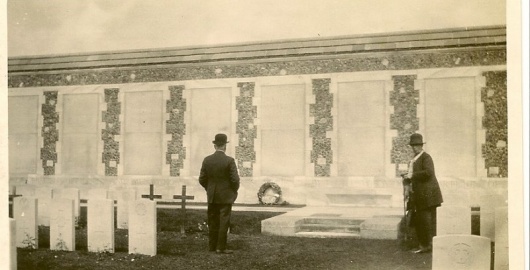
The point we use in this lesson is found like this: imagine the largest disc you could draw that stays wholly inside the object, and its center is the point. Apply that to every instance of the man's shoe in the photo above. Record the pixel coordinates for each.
(224, 251)
(422, 250)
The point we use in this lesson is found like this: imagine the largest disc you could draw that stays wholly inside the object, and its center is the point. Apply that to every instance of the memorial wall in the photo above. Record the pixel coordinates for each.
(315, 116)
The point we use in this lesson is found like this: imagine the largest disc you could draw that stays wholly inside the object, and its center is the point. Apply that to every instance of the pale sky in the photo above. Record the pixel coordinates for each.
(43, 27)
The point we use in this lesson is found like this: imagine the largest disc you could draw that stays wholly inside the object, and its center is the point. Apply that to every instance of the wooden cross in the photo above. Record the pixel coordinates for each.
(11, 200)
(152, 195)
(183, 197)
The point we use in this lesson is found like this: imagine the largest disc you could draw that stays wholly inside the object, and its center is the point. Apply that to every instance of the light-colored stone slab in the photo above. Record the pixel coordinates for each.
(23, 147)
(123, 197)
(100, 225)
(205, 123)
(62, 224)
(380, 228)
(44, 194)
(80, 135)
(97, 194)
(453, 219)
(459, 251)
(69, 193)
(283, 138)
(488, 203)
(451, 102)
(25, 211)
(142, 227)
(12, 244)
(501, 261)
(361, 128)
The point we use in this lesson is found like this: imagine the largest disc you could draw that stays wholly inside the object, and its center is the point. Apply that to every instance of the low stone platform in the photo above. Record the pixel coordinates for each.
(336, 221)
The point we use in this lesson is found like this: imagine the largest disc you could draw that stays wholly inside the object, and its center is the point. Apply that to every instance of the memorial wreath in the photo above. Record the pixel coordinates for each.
(269, 193)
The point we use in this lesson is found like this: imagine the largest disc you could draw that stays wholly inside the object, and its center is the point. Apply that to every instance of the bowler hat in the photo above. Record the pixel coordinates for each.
(416, 139)
(220, 139)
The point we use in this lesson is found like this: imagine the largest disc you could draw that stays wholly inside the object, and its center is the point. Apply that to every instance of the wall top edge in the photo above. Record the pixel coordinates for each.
(382, 42)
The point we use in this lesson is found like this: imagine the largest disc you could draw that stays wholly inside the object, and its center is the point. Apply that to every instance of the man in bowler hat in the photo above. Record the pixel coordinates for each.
(425, 193)
(220, 179)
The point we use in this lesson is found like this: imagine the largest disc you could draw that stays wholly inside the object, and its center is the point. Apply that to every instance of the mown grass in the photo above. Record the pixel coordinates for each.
(253, 250)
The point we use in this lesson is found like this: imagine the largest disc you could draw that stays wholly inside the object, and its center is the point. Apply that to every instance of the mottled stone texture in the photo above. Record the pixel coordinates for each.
(371, 62)
(50, 134)
(321, 111)
(176, 107)
(111, 118)
(495, 122)
(404, 98)
(245, 128)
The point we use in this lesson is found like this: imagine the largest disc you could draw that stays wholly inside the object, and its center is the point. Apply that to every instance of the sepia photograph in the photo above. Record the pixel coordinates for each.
(341, 134)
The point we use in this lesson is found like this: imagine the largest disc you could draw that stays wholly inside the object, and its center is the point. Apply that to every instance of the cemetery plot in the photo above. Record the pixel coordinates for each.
(461, 252)
(44, 194)
(123, 197)
(100, 225)
(453, 219)
(12, 244)
(501, 239)
(25, 211)
(62, 225)
(142, 227)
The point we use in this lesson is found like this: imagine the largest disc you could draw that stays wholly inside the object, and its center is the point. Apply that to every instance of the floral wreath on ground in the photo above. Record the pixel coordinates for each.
(270, 193)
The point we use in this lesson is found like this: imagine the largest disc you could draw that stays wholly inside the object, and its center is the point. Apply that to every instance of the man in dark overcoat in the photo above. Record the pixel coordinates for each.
(425, 194)
(220, 179)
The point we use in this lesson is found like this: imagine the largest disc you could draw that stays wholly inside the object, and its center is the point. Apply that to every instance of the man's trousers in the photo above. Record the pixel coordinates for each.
(425, 224)
(218, 224)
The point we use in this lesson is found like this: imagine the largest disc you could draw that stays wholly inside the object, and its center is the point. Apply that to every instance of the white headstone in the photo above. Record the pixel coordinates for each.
(459, 251)
(488, 203)
(100, 225)
(69, 193)
(25, 190)
(25, 211)
(452, 219)
(98, 193)
(123, 197)
(44, 194)
(12, 244)
(501, 260)
(62, 225)
(142, 227)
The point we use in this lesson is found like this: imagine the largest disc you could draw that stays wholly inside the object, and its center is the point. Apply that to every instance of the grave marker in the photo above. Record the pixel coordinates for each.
(100, 225)
(98, 193)
(142, 227)
(12, 244)
(458, 251)
(501, 239)
(44, 194)
(453, 219)
(25, 212)
(62, 224)
(488, 203)
(152, 195)
(123, 197)
(69, 193)
(25, 190)
(183, 197)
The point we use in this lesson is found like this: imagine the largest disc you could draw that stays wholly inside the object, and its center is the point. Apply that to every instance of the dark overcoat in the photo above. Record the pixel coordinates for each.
(220, 178)
(426, 190)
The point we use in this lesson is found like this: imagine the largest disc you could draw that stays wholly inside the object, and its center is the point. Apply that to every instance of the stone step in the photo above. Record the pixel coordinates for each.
(332, 221)
(340, 228)
(327, 235)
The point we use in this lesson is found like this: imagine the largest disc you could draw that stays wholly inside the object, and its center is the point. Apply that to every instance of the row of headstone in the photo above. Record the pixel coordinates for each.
(100, 224)
(12, 244)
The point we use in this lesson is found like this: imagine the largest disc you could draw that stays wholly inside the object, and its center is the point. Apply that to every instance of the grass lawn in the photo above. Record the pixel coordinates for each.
(252, 249)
